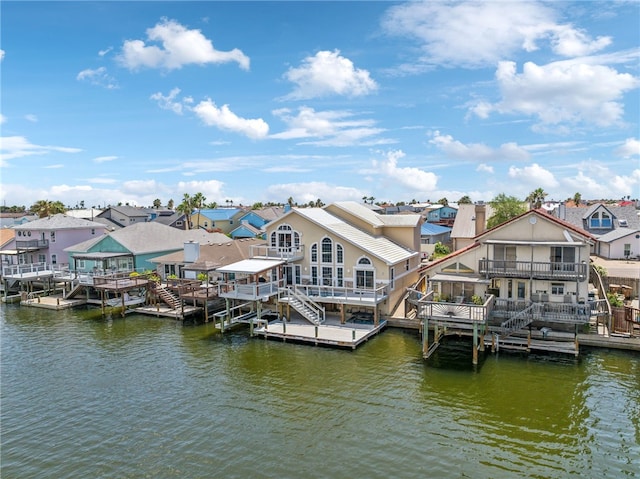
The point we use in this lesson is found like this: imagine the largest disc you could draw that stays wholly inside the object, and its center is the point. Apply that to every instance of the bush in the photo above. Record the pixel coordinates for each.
(477, 299)
(614, 300)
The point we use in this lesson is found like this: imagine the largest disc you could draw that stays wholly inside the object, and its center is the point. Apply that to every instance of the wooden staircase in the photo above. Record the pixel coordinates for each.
(309, 309)
(168, 297)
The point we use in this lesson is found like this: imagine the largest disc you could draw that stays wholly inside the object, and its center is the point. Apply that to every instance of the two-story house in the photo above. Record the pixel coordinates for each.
(616, 228)
(531, 270)
(347, 256)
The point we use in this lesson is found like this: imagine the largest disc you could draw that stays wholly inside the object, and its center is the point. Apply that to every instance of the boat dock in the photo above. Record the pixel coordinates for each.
(335, 335)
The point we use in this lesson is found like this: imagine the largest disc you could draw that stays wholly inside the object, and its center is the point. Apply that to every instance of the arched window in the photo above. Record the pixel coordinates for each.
(285, 238)
(314, 253)
(339, 254)
(327, 250)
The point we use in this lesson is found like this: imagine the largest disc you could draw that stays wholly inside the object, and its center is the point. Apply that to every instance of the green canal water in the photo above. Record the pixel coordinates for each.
(89, 397)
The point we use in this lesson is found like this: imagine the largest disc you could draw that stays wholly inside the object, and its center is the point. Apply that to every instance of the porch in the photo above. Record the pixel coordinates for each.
(534, 270)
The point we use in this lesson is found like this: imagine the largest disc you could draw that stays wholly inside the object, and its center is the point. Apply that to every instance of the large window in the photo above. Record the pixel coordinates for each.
(365, 277)
(327, 250)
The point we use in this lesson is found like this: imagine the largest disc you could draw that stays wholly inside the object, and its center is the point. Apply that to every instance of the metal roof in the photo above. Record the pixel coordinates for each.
(251, 266)
(378, 246)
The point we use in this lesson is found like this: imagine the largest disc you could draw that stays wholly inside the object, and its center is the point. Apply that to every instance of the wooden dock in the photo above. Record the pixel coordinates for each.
(52, 302)
(338, 336)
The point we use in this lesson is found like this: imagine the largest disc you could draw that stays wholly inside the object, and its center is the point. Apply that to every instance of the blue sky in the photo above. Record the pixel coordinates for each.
(107, 102)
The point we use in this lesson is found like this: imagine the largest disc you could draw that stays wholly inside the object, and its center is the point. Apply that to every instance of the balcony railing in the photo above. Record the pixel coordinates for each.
(34, 244)
(281, 252)
(346, 295)
(533, 269)
(249, 291)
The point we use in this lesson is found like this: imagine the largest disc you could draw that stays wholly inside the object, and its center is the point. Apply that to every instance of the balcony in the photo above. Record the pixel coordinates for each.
(249, 291)
(288, 253)
(32, 245)
(533, 270)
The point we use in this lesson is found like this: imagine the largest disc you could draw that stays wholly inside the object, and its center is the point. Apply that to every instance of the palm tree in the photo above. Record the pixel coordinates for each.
(186, 207)
(197, 202)
(157, 203)
(44, 208)
(577, 198)
(536, 198)
(465, 200)
(170, 204)
(443, 201)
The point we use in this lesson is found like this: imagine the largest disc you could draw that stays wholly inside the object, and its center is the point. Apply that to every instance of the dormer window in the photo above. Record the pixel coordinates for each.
(600, 219)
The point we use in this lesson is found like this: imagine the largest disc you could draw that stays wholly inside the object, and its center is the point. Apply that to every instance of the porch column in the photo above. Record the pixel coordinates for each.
(425, 336)
(475, 343)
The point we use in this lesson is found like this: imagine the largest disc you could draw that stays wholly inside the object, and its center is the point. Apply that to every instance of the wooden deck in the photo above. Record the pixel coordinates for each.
(334, 335)
(52, 302)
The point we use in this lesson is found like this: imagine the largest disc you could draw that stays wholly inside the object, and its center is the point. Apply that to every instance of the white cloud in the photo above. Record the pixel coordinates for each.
(3, 119)
(32, 118)
(631, 147)
(303, 193)
(103, 159)
(179, 46)
(211, 189)
(98, 77)
(533, 176)
(18, 146)
(225, 119)
(562, 92)
(105, 51)
(454, 149)
(169, 102)
(598, 180)
(1, 55)
(329, 73)
(415, 179)
(477, 34)
(484, 168)
(53, 167)
(329, 128)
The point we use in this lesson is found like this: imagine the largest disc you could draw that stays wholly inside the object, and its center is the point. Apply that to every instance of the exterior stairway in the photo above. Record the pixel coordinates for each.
(75, 290)
(304, 305)
(168, 297)
(521, 320)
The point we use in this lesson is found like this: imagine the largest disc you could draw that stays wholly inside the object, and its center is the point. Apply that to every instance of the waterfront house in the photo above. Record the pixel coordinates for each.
(616, 228)
(531, 271)
(345, 257)
(39, 251)
(195, 258)
(132, 248)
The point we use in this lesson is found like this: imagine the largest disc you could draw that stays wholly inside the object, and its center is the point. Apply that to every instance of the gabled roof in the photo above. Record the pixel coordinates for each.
(246, 227)
(378, 246)
(129, 211)
(59, 222)
(542, 214)
(6, 235)
(579, 217)
(374, 219)
(220, 214)
(145, 238)
(169, 219)
(617, 234)
(269, 213)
